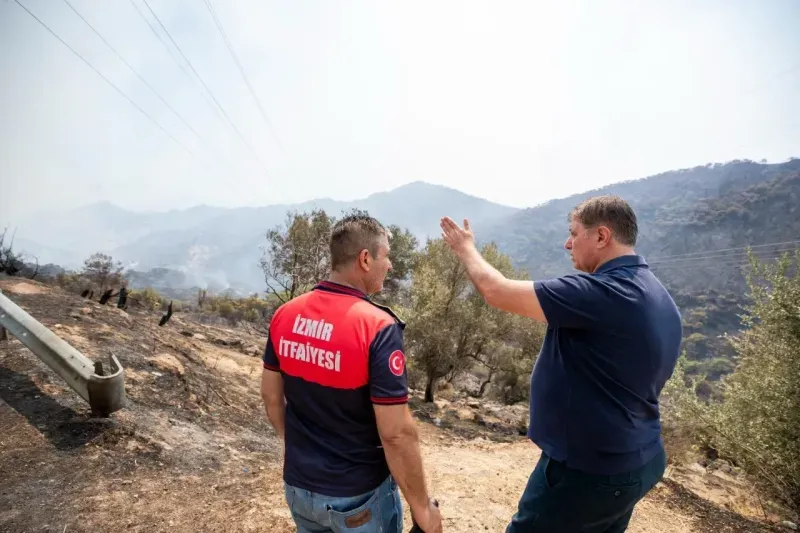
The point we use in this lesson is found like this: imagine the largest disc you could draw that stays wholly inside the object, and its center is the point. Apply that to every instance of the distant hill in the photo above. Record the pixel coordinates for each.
(685, 218)
(218, 246)
(67, 238)
(697, 210)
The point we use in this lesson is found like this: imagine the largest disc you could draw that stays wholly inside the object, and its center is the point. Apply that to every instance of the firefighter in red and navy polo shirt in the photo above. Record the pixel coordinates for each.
(340, 359)
(338, 353)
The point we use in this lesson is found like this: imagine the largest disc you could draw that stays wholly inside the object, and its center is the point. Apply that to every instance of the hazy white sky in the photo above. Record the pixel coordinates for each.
(517, 102)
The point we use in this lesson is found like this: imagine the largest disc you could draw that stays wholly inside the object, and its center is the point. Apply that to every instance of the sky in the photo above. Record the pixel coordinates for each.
(516, 102)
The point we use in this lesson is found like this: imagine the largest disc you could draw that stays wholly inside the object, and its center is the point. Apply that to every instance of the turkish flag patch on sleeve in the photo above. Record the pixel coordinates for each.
(397, 362)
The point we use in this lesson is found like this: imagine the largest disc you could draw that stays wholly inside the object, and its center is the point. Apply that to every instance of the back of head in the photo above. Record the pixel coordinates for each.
(352, 236)
(610, 211)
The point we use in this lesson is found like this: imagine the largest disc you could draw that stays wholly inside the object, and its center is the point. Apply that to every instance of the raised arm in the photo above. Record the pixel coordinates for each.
(514, 296)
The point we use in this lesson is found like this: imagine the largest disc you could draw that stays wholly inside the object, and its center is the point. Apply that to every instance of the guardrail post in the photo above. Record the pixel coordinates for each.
(104, 391)
(107, 390)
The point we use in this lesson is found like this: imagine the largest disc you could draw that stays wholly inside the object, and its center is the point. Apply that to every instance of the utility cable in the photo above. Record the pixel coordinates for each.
(235, 57)
(702, 263)
(144, 81)
(743, 248)
(236, 129)
(142, 111)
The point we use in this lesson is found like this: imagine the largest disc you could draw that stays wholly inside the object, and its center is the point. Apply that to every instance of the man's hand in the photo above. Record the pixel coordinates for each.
(429, 520)
(459, 239)
(515, 296)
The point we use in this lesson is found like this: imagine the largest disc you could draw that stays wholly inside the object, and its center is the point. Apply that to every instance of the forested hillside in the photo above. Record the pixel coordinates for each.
(694, 225)
(677, 213)
(764, 215)
(708, 285)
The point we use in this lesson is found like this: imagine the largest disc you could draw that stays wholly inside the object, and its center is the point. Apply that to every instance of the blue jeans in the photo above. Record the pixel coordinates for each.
(379, 510)
(559, 498)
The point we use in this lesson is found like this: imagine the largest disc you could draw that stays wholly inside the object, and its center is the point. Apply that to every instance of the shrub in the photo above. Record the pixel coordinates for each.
(151, 300)
(756, 422)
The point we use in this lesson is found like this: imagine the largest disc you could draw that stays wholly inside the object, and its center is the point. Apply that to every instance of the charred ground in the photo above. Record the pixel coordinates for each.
(192, 450)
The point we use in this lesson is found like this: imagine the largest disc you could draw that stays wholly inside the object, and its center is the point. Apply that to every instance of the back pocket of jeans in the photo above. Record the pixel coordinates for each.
(364, 518)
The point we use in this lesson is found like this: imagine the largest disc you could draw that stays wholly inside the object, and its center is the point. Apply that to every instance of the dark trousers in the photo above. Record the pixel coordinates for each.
(562, 499)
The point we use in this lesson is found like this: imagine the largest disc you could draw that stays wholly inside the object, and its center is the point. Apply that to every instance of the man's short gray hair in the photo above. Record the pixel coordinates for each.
(608, 210)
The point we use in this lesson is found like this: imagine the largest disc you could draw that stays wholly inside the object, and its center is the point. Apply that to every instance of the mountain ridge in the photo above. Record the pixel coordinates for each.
(109, 205)
(711, 212)
(664, 204)
(208, 242)
(223, 244)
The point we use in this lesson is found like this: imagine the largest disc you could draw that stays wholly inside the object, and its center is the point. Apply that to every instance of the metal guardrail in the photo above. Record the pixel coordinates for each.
(105, 392)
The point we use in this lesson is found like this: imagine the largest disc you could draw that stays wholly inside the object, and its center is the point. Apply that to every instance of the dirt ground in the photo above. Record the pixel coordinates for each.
(192, 450)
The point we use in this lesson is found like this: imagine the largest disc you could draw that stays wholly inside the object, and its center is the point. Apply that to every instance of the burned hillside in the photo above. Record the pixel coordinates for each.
(192, 450)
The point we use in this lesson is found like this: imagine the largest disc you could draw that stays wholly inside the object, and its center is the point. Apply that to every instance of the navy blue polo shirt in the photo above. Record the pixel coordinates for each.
(613, 338)
(338, 354)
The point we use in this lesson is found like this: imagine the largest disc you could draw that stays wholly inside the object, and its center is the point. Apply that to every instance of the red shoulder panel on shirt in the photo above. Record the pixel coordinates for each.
(324, 337)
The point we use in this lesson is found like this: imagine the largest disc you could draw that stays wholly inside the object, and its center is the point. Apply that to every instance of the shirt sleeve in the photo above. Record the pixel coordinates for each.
(388, 379)
(270, 357)
(574, 301)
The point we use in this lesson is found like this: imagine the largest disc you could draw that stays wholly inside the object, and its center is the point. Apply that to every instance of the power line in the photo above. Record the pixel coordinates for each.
(239, 133)
(149, 86)
(738, 255)
(167, 48)
(656, 259)
(174, 59)
(714, 262)
(135, 72)
(142, 111)
(235, 57)
(705, 268)
(721, 266)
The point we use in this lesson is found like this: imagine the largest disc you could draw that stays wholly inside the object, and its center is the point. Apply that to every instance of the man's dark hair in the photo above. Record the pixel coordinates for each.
(611, 211)
(352, 234)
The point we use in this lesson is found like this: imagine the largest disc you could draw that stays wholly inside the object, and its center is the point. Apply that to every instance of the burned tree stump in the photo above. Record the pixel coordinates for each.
(122, 303)
(165, 318)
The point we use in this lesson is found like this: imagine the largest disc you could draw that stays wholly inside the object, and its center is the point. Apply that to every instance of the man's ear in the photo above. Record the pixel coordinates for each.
(603, 235)
(364, 259)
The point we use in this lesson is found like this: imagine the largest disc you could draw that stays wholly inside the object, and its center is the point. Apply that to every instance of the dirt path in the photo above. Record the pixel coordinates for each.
(479, 483)
(100, 487)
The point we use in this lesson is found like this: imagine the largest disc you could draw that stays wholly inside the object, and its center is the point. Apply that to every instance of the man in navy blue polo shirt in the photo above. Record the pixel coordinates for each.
(613, 338)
